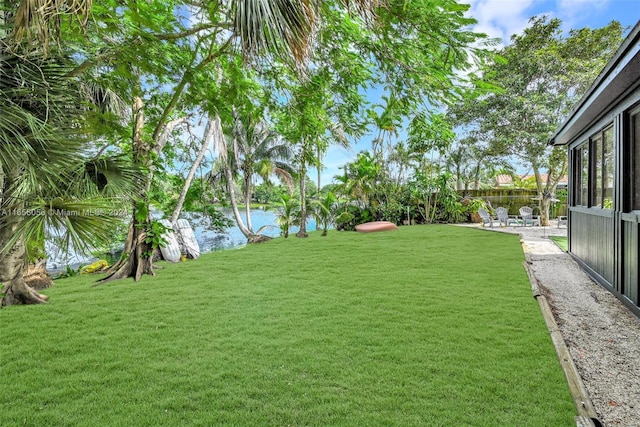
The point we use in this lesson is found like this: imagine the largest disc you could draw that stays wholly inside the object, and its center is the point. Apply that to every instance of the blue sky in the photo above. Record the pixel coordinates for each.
(501, 19)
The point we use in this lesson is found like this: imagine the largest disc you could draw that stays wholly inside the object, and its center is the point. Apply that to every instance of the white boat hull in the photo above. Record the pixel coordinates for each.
(171, 251)
(188, 238)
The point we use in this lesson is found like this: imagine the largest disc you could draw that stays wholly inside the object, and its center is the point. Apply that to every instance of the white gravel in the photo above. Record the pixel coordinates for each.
(602, 335)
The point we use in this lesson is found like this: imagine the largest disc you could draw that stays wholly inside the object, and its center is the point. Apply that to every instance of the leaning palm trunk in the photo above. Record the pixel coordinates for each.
(248, 233)
(247, 199)
(234, 205)
(208, 134)
(221, 148)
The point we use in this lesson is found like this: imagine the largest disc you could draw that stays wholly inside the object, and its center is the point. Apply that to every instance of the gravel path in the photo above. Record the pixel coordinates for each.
(602, 335)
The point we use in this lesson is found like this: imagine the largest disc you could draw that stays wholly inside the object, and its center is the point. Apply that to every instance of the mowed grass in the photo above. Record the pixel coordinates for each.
(561, 241)
(430, 325)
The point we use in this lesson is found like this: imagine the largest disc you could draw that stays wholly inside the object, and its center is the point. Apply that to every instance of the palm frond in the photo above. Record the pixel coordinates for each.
(112, 176)
(38, 21)
(284, 27)
(43, 157)
(82, 224)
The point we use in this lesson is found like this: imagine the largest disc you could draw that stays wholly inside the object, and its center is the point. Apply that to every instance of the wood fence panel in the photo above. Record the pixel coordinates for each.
(513, 199)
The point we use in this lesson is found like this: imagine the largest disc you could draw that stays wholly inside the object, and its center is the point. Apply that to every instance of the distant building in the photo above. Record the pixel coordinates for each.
(506, 181)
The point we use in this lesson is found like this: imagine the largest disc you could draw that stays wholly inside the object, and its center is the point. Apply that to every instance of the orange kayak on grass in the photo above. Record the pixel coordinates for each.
(370, 227)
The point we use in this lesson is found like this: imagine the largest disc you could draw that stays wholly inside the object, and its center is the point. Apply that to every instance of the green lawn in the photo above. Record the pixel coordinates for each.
(561, 241)
(431, 325)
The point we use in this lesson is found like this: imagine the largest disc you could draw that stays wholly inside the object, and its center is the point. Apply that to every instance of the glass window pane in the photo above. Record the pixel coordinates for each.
(577, 183)
(596, 144)
(634, 152)
(585, 175)
(607, 176)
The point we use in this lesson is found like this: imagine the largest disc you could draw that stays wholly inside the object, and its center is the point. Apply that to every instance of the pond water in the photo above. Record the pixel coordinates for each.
(208, 240)
(212, 241)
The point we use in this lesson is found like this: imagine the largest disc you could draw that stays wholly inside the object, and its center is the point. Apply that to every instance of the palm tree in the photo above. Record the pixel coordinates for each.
(284, 29)
(360, 178)
(48, 180)
(261, 152)
(324, 211)
(288, 213)
(403, 158)
(251, 150)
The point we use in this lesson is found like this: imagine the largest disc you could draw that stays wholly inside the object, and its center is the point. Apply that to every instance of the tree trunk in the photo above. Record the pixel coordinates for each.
(234, 205)
(303, 200)
(13, 287)
(208, 134)
(12, 267)
(247, 200)
(319, 169)
(249, 234)
(544, 213)
(555, 173)
(544, 199)
(137, 255)
(37, 277)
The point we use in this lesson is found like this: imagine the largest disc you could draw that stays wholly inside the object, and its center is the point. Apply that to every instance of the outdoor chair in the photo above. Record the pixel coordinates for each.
(527, 217)
(562, 220)
(503, 217)
(486, 218)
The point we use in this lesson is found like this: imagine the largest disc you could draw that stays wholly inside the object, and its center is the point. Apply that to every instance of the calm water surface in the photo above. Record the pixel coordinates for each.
(208, 240)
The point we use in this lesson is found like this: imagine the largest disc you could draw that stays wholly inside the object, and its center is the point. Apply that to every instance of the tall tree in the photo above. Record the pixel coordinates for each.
(54, 177)
(306, 122)
(542, 74)
(184, 56)
(418, 47)
(206, 141)
(251, 149)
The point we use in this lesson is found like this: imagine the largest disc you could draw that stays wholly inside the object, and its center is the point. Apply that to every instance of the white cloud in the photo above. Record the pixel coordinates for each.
(573, 11)
(501, 18)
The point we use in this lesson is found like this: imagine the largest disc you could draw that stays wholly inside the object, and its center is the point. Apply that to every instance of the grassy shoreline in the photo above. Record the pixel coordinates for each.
(430, 325)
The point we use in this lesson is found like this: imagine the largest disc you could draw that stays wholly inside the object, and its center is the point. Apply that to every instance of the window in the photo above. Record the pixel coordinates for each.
(633, 163)
(593, 165)
(585, 174)
(596, 167)
(607, 168)
(581, 166)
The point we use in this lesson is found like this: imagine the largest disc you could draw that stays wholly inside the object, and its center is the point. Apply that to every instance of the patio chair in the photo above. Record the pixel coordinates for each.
(503, 217)
(527, 217)
(486, 218)
(562, 220)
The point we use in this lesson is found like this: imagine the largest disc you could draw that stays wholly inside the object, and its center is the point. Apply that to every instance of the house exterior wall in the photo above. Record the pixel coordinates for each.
(596, 248)
(629, 277)
(603, 139)
(603, 229)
